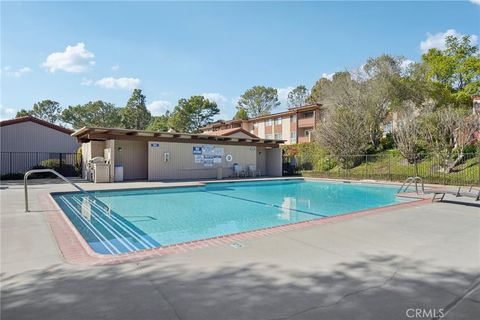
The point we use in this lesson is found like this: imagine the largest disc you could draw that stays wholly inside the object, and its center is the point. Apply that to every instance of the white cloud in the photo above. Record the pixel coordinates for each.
(437, 40)
(115, 67)
(159, 107)
(118, 83)
(226, 110)
(86, 82)
(74, 59)
(328, 76)
(475, 2)
(218, 98)
(6, 113)
(283, 96)
(16, 73)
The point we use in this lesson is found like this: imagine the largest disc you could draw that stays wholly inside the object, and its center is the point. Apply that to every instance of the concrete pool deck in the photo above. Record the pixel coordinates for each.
(378, 266)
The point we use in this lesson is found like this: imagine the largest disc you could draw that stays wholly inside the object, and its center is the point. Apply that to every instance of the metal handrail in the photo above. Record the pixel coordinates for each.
(25, 184)
(411, 180)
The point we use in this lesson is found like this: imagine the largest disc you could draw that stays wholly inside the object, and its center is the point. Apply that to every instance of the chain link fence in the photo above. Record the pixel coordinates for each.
(391, 167)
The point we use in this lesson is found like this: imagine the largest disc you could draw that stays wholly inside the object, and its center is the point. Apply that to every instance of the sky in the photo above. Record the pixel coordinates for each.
(74, 52)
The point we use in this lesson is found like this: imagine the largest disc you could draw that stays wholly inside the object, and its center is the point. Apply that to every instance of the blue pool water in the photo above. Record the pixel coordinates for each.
(121, 221)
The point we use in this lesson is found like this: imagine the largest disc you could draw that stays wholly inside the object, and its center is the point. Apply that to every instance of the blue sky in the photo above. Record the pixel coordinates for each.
(77, 52)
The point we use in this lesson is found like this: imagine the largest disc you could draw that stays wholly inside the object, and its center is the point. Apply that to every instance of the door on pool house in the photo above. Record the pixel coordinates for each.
(133, 156)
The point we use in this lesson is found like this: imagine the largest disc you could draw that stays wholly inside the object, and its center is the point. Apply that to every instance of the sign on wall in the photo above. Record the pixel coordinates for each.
(208, 154)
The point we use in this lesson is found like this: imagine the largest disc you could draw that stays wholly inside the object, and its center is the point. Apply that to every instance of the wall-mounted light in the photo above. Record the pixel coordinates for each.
(119, 149)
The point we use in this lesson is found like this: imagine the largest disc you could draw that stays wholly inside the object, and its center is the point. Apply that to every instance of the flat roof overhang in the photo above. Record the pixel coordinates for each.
(87, 134)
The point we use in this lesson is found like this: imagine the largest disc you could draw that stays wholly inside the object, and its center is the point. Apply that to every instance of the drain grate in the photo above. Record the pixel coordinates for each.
(237, 245)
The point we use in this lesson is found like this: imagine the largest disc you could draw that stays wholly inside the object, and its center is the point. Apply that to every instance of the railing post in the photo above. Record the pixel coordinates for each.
(25, 191)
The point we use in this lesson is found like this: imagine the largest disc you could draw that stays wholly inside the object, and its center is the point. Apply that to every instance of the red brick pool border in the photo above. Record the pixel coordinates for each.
(76, 250)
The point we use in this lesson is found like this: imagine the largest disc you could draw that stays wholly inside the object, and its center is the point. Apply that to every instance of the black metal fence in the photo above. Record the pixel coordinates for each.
(393, 167)
(15, 164)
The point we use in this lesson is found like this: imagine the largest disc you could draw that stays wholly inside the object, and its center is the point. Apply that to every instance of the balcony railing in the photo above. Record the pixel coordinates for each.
(306, 122)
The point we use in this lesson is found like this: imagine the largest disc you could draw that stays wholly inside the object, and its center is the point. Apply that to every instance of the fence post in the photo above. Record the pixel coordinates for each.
(390, 167)
(415, 163)
(366, 166)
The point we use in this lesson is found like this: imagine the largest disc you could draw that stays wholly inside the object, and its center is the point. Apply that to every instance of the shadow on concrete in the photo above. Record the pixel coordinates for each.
(374, 287)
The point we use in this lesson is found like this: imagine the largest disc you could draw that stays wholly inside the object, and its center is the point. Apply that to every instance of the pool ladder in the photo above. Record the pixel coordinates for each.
(28, 173)
(408, 182)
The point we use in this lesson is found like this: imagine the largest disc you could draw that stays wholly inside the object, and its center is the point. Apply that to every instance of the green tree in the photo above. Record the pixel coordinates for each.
(259, 101)
(160, 123)
(92, 114)
(135, 115)
(455, 70)
(47, 110)
(23, 113)
(191, 114)
(241, 114)
(298, 96)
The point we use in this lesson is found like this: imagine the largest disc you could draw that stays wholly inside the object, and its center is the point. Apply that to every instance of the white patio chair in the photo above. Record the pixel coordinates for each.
(252, 169)
(239, 172)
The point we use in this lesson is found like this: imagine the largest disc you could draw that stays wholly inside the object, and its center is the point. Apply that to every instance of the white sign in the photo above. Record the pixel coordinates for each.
(217, 159)
(208, 161)
(218, 151)
(198, 158)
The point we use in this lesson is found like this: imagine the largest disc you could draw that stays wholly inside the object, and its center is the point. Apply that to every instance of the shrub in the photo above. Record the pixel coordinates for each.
(325, 164)
(12, 176)
(64, 169)
(387, 142)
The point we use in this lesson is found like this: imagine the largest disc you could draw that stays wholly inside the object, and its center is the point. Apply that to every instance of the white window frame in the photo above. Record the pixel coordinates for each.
(278, 120)
(268, 123)
(278, 136)
(255, 125)
(268, 136)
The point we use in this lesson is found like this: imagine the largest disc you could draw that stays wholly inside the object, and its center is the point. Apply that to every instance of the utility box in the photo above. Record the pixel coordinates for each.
(101, 172)
(118, 173)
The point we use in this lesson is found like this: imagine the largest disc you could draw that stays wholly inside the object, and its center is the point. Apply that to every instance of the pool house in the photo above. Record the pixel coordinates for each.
(114, 154)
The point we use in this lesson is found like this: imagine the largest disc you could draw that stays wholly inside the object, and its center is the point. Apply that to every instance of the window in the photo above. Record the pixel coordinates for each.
(255, 125)
(308, 114)
(268, 122)
(278, 121)
(293, 137)
(268, 136)
(307, 133)
(293, 118)
(278, 136)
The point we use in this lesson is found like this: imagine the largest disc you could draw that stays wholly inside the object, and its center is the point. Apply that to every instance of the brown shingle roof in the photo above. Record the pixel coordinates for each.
(36, 120)
(227, 132)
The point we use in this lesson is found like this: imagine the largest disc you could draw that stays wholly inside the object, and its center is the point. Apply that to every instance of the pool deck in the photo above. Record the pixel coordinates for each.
(375, 266)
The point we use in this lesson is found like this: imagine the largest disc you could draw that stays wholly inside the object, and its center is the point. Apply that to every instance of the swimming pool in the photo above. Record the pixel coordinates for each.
(120, 221)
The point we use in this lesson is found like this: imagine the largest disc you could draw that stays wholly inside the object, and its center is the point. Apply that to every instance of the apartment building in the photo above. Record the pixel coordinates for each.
(295, 125)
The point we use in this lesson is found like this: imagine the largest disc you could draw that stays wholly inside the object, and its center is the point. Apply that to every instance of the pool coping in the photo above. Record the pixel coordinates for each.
(75, 249)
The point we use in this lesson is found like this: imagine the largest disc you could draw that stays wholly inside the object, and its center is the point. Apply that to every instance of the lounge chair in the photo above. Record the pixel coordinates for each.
(471, 193)
(252, 169)
(239, 172)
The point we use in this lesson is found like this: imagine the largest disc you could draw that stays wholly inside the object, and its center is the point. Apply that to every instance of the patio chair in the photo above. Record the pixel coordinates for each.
(239, 172)
(252, 169)
(471, 193)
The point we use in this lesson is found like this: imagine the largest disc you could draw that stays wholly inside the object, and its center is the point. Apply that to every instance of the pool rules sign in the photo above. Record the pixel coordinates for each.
(208, 155)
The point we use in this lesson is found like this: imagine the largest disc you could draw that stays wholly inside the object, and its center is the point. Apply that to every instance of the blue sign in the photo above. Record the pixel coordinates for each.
(155, 145)
(197, 150)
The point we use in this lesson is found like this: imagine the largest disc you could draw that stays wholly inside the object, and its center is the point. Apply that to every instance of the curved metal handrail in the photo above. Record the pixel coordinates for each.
(411, 180)
(28, 173)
